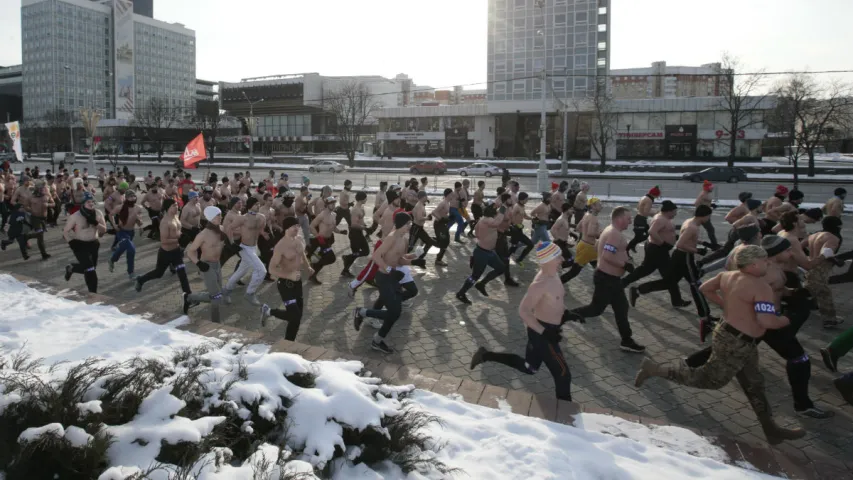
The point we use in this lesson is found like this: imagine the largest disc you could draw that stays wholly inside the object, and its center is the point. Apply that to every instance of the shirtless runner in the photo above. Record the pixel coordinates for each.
(323, 231)
(541, 220)
(288, 259)
(357, 238)
(749, 311)
(205, 252)
(484, 254)
(82, 230)
(250, 227)
(822, 249)
(587, 247)
(129, 217)
(542, 311)
(170, 254)
(641, 220)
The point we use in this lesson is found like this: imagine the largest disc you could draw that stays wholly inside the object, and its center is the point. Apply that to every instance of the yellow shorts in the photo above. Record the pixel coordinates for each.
(464, 213)
(585, 253)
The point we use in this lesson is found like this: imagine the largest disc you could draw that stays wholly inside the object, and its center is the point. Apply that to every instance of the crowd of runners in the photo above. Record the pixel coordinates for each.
(774, 273)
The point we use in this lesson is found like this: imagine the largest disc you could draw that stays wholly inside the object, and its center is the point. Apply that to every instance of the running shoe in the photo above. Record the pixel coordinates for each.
(629, 345)
(816, 412)
(829, 359)
(357, 319)
(381, 347)
(477, 358)
(265, 314)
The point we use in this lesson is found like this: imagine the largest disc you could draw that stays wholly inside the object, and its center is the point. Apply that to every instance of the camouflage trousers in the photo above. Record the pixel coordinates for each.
(817, 283)
(730, 357)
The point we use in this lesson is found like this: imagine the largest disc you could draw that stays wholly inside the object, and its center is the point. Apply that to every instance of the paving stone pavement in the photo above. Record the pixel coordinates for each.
(437, 333)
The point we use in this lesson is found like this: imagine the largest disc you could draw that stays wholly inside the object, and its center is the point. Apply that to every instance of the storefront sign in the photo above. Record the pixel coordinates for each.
(641, 135)
(456, 134)
(745, 134)
(410, 135)
(681, 132)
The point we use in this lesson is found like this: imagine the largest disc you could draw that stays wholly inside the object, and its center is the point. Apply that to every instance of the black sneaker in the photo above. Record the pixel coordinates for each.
(112, 265)
(187, 303)
(634, 295)
(68, 272)
(357, 319)
(816, 412)
(138, 285)
(481, 288)
(629, 345)
(829, 359)
(463, 298)
(419, 262)
(3, 245)
(45, 256)
(682, 304)
(510, 283)
(27, 257)
(845, 388)
(381, 346)
(477, 358)
(347, 274)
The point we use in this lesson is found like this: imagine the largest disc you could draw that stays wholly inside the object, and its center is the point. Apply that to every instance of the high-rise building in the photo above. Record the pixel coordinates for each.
(100, 54)
(144, 8)
(568, 39)
(663, 81)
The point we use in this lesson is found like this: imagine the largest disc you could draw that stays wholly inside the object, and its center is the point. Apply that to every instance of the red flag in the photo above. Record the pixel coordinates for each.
(194, 152)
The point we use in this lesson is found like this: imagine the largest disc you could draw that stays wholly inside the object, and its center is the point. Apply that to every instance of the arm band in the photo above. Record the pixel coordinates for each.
(765, 307)
(609, 248)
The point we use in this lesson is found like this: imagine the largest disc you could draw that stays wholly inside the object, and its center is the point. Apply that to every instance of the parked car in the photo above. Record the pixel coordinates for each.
(717, 174)
(480, 169)
(327, 166)
(429, 166)
(67, 157)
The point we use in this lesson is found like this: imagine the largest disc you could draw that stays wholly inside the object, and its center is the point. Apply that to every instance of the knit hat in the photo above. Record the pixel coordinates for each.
(192, 194)
(774, 245)
(123, 186)
(796, 195)
(781, 190)
(422, 194)
(305, 180)
(840, 192)
(88, 196)
(391, 195)
(752, 204)
(547, 251)
(744, 196)
(746, 255)
(401, 219)
(289, 222)
(654, 191)
(591, 201)
(211, 212)
(233, 202)
(814, 213)
(703, 211)
(668, 206)
(707, 186)
(748, 232)
(554, 186)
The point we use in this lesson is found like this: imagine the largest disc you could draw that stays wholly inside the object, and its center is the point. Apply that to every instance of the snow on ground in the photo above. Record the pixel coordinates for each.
(483, 442)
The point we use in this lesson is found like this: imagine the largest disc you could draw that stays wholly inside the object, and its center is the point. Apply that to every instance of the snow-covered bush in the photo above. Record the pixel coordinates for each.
(206, 412)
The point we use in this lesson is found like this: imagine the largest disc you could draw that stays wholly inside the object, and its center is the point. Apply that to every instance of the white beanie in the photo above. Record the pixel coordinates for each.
(211, 212)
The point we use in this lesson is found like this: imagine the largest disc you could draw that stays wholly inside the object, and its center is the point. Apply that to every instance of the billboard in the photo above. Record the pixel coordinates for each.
(124, 58)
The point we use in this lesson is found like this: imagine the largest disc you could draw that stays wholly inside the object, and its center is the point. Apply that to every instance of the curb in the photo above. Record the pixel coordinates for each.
(781, 460)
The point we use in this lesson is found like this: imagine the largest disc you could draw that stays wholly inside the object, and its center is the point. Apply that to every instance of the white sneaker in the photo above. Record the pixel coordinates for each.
(374, 322)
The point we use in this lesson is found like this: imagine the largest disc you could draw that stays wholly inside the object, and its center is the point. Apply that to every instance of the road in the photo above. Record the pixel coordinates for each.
(815, 192)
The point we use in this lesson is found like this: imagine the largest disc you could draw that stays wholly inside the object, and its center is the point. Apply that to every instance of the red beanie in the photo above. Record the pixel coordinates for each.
(554, 186)
(655, 191)
(781, 190)
(707, 186)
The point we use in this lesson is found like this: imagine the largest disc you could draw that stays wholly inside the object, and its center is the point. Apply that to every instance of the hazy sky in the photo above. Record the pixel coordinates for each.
(443, 42)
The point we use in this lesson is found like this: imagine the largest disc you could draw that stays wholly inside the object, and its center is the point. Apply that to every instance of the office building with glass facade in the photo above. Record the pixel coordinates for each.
(101, 55)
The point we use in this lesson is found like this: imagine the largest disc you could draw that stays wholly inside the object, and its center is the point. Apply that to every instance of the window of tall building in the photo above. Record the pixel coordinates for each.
(581, 18)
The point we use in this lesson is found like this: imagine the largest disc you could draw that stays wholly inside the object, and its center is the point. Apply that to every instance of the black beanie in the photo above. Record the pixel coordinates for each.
(814, 213)
(796, 195)
(774, 245)
(840, 192)
(233, 202)
(702, 211)
(668, 206)
(744, 196)
(289, 222)
(391, 195)
(752, 204)
(747, 233)
(401, 219)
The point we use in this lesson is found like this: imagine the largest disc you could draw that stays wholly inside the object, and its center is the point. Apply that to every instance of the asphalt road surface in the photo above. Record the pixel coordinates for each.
(815, 192)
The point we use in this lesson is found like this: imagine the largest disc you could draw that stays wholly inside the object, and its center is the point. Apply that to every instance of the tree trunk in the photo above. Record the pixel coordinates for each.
(351, 157)
(810, 153)
(796, 164)
(732, 149)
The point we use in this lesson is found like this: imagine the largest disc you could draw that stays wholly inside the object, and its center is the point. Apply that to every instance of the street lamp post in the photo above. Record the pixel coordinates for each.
(542, 172)
(250, 124)
(70, 116)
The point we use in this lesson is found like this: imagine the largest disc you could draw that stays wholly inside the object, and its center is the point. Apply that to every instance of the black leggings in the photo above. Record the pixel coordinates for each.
(724, 252)
(477, 212)
(154, 228)
(5, 211)
(607, 290)
(483, 258)
(406, 290)
(538, 351)
(228, 251)
(845, 277)
(502, 249)
(291, 297)
(657, 258)
(517, 237)
(343, 214)
(389, 295)
(442, 237)
(568, 256)
(358, 244)
(165, 259)
(641, 232)
(419, 233)
(86, 254)
(681, 265)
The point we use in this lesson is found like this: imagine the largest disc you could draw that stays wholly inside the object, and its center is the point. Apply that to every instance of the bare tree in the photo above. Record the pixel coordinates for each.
(155, 118)
(603, 124)
(352, 106)
(206, 119)
(813, 112)
(742, 100)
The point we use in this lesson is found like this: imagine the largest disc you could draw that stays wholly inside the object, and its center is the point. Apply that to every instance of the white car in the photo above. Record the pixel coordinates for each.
(480, 169)
(327, 166)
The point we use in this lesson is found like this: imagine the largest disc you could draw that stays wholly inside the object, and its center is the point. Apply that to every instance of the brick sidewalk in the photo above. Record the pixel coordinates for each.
(438, 334)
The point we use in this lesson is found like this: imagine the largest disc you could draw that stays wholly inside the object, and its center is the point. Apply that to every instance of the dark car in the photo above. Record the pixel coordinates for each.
(429, 166)
(717, 174)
